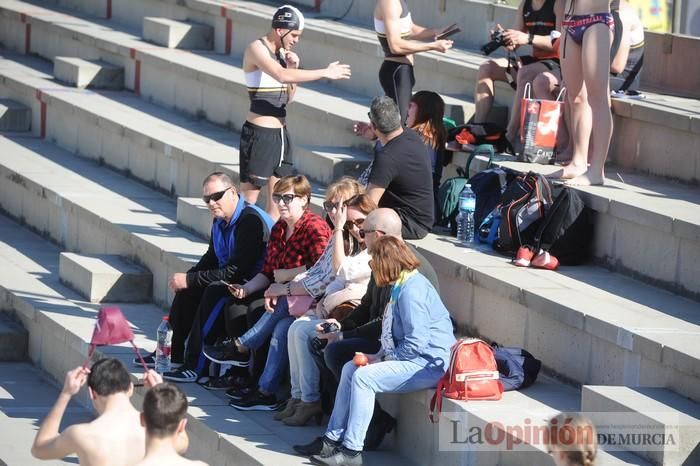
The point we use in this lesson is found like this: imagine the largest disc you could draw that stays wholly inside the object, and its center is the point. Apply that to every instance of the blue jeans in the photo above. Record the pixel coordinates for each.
(303, 371)
(275, 324)
(354, 402)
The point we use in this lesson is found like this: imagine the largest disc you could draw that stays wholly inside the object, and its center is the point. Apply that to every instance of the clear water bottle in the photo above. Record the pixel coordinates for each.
(465, 215)
(164, 338)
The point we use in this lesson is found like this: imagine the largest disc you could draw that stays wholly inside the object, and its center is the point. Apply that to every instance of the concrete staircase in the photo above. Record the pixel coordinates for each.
(100, 172)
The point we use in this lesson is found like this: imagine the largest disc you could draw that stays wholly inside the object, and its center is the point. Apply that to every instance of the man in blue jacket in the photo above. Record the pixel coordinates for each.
(236, 251)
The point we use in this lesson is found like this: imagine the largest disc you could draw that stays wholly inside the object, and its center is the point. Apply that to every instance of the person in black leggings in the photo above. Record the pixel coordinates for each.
(395, 27)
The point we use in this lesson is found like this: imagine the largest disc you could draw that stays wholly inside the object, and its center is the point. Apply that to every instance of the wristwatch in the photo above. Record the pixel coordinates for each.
(530, 38)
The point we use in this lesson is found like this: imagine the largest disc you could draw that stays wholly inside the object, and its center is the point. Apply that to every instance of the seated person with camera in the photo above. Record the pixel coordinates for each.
(360, 331)
(536, 19)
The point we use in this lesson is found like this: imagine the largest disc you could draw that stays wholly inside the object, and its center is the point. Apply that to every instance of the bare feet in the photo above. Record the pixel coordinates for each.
(586, 179)
(568, 172)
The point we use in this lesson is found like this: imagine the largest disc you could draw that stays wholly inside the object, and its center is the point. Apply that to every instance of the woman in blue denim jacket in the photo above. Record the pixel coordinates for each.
(415, 351)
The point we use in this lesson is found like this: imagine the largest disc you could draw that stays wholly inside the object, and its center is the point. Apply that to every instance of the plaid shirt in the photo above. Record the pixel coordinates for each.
(304, 247)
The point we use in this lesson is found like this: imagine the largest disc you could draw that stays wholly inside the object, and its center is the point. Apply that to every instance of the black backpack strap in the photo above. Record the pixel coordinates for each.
(483, 148)
(633, 74)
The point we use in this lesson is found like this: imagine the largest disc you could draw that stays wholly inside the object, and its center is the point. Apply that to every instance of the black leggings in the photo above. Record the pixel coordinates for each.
(397, 80)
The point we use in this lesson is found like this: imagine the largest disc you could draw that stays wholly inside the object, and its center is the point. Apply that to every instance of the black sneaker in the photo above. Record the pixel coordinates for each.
(149, 359)
(239, 393)
(182, 375)
(225, 382)
(226, 353)
(256, 401)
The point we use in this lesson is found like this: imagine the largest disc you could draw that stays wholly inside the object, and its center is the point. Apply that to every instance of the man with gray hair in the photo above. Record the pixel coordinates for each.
(401, 176)
(360, 331)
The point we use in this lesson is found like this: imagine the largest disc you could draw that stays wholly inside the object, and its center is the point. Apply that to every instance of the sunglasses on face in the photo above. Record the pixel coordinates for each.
(363, 233)
(328, 206)
(286, 198)
(354, 223)
(216, 197)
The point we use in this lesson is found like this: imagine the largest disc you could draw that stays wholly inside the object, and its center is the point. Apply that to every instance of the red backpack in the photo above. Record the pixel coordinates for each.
(471, 375)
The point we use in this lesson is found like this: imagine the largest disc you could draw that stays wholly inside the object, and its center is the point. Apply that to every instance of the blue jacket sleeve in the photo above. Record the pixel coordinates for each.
(414, 312)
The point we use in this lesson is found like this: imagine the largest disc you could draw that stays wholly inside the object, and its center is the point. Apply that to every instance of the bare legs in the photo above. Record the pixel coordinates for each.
(586, 69)
(489, 71)
(251, 193)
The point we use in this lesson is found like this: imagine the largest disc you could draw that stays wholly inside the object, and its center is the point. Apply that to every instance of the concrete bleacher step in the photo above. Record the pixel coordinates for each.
(13, 338)
(327, 164)
(672, 419)
(194, 216)
(163, 74)
(60, 326)
(65, 197)
(85, 73)
(105, 278)
(507, 432)
(14, 116)
(640, 213)
(178, 34)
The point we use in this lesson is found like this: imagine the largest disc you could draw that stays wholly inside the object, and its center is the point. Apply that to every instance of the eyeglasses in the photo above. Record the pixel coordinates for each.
(328, 206)
(354, 223)
(286, 198)
(362, 233)
(216, 197)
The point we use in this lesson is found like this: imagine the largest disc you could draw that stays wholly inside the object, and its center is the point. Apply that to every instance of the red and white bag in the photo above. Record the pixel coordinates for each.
(539, 125)
(471, 375)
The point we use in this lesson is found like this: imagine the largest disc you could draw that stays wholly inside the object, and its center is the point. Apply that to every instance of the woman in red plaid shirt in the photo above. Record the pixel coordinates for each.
(296, 242)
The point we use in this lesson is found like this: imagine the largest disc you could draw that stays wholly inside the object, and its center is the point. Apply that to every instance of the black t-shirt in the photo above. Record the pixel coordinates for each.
(403, 169)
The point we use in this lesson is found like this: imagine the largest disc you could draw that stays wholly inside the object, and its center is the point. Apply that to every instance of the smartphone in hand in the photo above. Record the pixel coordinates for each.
(449, 31)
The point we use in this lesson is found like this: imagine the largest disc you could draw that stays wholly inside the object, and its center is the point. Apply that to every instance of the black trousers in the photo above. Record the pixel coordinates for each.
(182, 314)
(217, 316)
(397, 80)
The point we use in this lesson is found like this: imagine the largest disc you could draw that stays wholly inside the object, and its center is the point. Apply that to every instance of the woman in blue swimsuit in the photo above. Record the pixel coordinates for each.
(585, 63)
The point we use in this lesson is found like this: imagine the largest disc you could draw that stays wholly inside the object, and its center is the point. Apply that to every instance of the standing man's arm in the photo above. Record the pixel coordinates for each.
(48, 443)
(259, 56)
(293, 61)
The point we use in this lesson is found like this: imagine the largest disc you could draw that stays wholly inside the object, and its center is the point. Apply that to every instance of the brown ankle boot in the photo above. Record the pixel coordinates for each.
(288, 410)
(304, 413)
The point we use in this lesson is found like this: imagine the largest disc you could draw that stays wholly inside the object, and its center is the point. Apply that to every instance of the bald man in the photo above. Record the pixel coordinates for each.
(360, 331)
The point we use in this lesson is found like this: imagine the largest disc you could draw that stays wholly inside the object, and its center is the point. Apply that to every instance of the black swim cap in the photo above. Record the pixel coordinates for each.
(288, 17)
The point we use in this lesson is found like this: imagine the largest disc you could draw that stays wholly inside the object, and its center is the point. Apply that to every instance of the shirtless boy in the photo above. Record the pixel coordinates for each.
(115, 437)
(163, 416)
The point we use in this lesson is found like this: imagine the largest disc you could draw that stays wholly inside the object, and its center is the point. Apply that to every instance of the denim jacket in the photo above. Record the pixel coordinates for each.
(421, 327)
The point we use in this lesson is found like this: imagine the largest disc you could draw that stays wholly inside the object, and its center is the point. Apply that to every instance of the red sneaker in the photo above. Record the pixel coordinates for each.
(545, 260)
(523, 257)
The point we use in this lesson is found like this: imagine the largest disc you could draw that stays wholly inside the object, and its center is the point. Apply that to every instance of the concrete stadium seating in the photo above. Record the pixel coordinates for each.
(137, 151)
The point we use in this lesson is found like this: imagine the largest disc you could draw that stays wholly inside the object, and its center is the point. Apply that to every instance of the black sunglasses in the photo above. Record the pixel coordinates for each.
(215, 196)
(354, 223)
(286, 198)
(328, 206)
(362, 233)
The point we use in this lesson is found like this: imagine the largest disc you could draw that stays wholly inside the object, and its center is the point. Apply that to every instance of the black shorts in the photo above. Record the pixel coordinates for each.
(264, 152)
(551, 63)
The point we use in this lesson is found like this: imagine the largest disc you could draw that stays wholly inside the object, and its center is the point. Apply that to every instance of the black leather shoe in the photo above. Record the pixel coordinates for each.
(321, 446)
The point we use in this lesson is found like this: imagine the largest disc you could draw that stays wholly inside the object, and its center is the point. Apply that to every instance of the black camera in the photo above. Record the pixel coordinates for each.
(497, 40)
(330, 327)
(318, 344)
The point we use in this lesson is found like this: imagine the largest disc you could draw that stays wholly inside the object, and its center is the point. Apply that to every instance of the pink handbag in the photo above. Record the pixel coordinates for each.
(299, 305)
(112, 328)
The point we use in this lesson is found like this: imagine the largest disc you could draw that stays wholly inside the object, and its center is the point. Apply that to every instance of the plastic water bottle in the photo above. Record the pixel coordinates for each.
(465, 215)
(164, 338)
